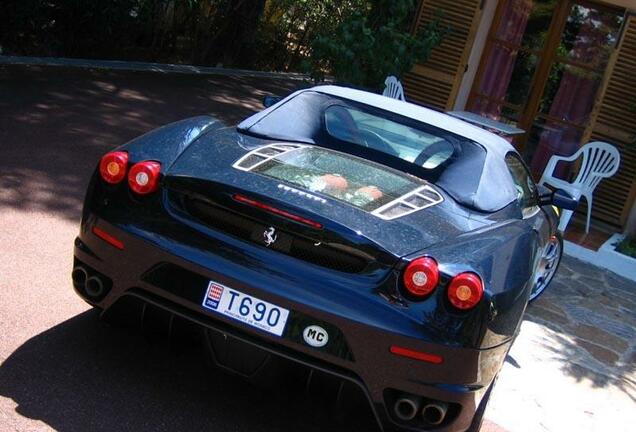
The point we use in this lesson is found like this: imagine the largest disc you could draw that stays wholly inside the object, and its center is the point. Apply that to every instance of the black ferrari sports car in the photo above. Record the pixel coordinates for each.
(391, 246)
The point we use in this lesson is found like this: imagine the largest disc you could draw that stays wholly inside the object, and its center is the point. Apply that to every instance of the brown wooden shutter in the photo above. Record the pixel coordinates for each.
(615, 122)
(436, 82)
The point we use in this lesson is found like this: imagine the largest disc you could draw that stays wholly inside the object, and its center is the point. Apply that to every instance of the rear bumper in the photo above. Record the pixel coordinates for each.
(369, 325)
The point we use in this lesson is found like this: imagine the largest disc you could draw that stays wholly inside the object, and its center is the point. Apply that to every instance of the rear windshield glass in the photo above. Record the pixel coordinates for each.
(385, 135)
(363, 184)
(353, 127)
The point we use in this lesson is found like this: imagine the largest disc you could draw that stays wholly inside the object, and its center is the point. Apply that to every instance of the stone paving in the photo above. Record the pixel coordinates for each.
(573, 366)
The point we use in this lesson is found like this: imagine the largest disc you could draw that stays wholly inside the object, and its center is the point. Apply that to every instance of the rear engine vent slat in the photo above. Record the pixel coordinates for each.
(418, 199)
(255, 158)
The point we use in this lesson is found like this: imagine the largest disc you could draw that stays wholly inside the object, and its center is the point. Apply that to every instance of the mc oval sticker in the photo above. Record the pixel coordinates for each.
(315, 336)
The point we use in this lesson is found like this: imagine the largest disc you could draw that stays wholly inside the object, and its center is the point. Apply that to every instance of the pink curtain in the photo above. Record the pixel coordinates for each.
(574, 99)
(501, 60)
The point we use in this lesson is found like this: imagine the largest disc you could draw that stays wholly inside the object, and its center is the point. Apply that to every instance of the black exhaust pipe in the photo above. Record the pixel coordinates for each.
(79, 276)
(94, 287)
(434, 412)
(406, 407)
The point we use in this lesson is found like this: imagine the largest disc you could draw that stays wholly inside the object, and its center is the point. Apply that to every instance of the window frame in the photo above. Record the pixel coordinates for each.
(529, 207)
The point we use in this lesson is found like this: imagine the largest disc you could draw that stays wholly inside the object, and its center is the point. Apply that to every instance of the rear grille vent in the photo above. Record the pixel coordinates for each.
(263, 154)
(291, 244)
(413, 201)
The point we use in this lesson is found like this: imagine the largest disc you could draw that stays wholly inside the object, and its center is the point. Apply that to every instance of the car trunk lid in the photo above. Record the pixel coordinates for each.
(367, 213)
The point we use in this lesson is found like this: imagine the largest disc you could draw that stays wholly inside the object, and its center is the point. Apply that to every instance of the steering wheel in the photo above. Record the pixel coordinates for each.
(376, 142)
(343, 126)
(431, 151)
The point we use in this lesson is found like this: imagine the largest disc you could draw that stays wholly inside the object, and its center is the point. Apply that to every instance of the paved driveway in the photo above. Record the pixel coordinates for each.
(572, 367)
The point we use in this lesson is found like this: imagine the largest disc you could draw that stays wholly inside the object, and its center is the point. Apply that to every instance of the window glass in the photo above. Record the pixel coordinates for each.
(570, 93)
(356, 181)
(590, 35)
(388, 136)
(526, 188)
(526, 22)
(548, 137)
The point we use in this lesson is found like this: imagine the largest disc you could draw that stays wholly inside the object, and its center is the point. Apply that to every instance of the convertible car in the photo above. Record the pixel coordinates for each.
(388, 245)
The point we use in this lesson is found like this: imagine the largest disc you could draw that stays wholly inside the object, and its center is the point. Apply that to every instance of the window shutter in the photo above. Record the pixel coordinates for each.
(615, 122)
(436, 82)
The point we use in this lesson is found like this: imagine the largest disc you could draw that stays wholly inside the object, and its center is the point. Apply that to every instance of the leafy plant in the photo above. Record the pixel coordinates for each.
(288, 26)
(372, 43)
(254, 34)
(627, 247)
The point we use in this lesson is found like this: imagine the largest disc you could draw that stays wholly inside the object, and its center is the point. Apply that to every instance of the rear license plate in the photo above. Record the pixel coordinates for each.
(245, 308)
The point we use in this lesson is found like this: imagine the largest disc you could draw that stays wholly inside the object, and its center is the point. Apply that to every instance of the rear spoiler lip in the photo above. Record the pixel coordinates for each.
(486, 123)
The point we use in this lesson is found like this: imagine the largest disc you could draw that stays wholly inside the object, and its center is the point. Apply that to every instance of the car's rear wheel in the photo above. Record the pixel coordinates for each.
(550, 260)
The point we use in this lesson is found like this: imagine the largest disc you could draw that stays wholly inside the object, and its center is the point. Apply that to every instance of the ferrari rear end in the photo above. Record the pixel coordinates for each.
(405, 311)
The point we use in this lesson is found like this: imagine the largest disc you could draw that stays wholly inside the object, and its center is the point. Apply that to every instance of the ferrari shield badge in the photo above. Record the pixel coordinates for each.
(270, 236)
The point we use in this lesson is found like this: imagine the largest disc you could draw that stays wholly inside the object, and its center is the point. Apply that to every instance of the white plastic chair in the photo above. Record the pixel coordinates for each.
(393, 88)
(600, 160)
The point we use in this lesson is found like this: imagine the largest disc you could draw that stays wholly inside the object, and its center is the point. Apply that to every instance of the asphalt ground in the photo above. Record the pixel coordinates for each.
(60, 367)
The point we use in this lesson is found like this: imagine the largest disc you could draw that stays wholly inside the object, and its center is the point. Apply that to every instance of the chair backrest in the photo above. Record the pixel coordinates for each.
(393, 88)
(600, 160)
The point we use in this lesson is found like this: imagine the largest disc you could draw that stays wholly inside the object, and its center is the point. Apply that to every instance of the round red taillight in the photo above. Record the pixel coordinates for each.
(143, 177)
(465, 291)
(112, 167)
(421, 276)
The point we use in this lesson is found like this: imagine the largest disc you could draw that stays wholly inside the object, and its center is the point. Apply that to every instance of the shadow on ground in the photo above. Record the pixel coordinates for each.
(590, 317)
(55, 122)
(87, 375)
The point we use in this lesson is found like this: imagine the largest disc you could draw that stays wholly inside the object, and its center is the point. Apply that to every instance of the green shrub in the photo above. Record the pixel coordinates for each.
(372, 43)
(627, 247)
(359, 41)
(288, 26)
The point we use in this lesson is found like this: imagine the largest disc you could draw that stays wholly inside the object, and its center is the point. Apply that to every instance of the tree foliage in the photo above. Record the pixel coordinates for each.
(373, 42)
(64, 27)
(289, 26)
(359, 41)
(191, 31)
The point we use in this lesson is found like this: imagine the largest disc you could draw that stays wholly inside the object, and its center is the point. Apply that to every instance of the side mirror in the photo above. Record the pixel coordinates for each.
(269, 100)
(545, 195)
(559, 198)
(564, 200)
